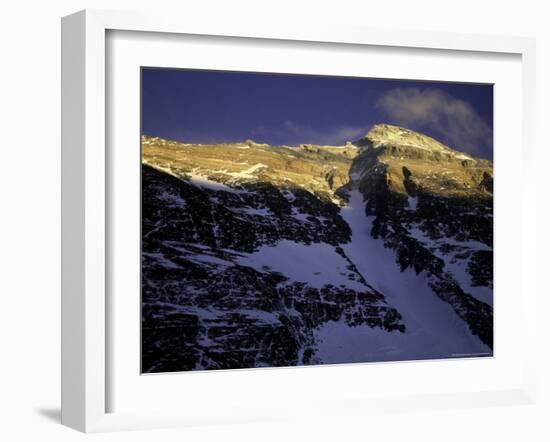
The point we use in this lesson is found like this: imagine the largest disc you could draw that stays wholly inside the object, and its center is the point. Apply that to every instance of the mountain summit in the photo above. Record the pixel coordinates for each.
(383, 134)
(412, 161)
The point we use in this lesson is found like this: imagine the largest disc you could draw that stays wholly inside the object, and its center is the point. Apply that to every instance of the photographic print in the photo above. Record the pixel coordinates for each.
(292, 220)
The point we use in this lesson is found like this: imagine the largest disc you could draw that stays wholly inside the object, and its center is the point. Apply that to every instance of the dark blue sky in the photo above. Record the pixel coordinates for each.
(215, 106)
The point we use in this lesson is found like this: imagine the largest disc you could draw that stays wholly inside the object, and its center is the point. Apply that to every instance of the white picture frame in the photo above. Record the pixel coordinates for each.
(85, 308)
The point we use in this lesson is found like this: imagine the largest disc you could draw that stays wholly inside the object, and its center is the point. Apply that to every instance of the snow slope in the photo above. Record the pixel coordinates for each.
(316, 264)
(433, 328)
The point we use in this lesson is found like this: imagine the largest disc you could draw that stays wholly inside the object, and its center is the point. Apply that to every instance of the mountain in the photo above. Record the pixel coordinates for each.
(434, 207)
(256, 255)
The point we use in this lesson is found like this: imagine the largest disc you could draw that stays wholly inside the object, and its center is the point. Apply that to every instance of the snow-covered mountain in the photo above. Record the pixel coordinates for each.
(256, 255)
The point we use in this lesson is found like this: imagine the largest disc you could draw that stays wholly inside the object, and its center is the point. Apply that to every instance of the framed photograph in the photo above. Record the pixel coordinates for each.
(264, 222)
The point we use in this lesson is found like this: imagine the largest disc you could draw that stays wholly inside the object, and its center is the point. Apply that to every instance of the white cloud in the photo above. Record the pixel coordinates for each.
(456, 122)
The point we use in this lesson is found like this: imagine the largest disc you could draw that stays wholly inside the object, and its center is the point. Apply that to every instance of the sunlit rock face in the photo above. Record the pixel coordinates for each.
(256, 255)
(410, 160)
